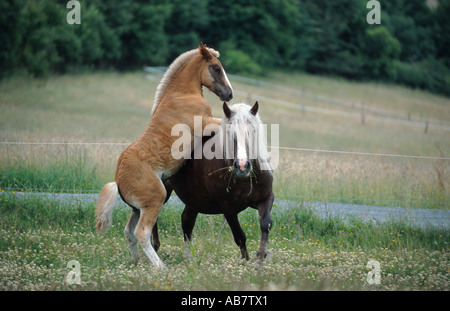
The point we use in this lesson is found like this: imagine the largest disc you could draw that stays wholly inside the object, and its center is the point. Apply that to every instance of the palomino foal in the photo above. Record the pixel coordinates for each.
(147, 163)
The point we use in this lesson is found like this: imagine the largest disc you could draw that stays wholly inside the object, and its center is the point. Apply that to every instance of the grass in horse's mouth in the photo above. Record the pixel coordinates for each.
(230, 169)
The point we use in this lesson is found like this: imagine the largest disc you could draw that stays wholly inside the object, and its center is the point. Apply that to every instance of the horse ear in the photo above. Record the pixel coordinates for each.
(254, 109)
(204, 52)
(226, 110)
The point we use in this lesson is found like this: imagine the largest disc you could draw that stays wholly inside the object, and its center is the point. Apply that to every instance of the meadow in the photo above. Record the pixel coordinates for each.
(115, 108)
(39, 237)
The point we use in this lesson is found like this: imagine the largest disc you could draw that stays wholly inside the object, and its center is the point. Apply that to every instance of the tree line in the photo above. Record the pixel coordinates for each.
(409, 46)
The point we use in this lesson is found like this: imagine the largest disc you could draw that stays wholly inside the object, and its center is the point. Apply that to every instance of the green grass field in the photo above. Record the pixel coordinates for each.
(38, 238)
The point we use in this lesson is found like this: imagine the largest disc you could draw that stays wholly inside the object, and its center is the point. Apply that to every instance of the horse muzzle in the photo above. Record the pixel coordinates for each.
(242, 167)
(226, 95)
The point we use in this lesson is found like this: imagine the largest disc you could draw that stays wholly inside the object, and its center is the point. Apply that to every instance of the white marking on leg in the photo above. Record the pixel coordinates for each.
(149, 251)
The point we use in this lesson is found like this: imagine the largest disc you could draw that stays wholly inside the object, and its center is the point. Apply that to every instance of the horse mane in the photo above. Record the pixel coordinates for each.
(246, 126)
(172, 69)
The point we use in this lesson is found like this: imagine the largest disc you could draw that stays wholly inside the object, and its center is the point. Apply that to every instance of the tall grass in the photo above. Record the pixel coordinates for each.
(299, 177)
(39, 237)
(56, 168)
(369, 181)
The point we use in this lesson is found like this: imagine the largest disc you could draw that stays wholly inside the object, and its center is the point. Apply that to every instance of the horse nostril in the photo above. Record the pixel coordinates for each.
(236, 164)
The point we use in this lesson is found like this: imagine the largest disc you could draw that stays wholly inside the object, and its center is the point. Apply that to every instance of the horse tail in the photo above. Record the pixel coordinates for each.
(105, 204)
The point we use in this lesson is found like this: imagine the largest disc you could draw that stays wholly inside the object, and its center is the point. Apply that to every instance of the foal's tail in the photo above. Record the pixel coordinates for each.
(105, 204)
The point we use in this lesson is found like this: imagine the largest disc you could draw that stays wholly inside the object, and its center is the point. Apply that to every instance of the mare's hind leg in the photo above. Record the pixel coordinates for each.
(265, 223)
(238, 233)
(129, 233)
(155, 237)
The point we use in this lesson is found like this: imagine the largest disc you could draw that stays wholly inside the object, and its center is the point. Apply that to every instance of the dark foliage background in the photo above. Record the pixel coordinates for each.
(317, 36)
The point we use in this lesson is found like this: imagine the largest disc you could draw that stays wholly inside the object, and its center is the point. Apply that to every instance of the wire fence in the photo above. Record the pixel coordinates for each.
(276, 147)
(356, 200)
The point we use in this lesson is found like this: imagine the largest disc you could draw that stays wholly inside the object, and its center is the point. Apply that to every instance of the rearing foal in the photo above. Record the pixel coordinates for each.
(145, 164)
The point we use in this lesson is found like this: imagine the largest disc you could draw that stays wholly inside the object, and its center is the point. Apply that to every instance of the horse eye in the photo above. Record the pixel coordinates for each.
(218, 71)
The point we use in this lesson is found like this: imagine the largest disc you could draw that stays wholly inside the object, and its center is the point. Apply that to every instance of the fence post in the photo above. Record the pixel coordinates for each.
(426, 127)
(363, 118)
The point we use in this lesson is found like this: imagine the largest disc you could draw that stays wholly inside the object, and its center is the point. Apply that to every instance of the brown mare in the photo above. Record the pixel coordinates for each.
(230, 184)
(147, 163)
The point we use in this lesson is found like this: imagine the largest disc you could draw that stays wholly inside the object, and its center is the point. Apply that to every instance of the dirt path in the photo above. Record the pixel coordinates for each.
(422, 218)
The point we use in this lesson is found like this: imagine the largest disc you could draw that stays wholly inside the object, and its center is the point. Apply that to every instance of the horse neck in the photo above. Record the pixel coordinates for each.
(187, 80)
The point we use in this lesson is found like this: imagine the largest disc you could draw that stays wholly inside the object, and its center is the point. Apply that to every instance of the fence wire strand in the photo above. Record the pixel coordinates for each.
(275, 147)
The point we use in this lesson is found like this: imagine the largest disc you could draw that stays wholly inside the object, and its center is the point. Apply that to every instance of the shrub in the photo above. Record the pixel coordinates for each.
(381, 51)
(239, 62)
(430, 74)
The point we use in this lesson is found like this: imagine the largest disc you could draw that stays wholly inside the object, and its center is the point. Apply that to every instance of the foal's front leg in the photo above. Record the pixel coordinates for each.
(265, 223)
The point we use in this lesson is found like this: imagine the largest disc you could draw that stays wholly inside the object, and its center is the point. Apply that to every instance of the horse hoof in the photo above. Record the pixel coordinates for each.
(265, 255)
(269, 255)
(163, 268)
(137, 261)
(187, 252)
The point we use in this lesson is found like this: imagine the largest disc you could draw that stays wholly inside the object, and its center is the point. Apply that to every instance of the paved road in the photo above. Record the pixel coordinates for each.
(423, 218)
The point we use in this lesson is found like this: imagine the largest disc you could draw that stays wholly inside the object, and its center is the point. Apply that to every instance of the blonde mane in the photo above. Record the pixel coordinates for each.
(173, 68)
(243, 125)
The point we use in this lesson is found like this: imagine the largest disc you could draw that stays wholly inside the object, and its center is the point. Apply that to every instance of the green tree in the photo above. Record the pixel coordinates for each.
(36, 47)
(10, 37)
(185, 25)
(441, 30)
(145, 41)
(381, 51)
(339, 32)
(266, 31)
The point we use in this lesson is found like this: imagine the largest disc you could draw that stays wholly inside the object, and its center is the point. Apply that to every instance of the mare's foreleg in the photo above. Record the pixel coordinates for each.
(188, 218)
(238, 233)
